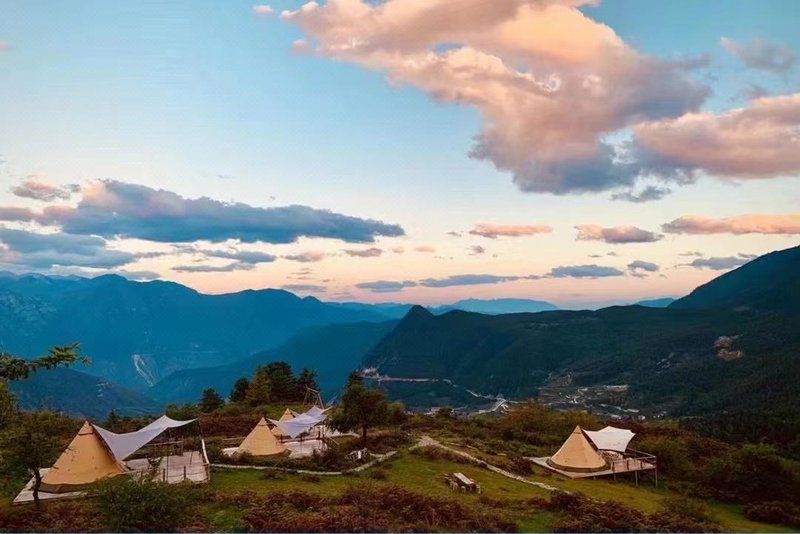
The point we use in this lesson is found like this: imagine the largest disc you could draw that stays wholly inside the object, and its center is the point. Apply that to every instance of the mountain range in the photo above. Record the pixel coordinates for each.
(731, 341)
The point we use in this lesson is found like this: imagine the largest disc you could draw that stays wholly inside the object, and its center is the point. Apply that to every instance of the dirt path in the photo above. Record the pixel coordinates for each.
(427, 441)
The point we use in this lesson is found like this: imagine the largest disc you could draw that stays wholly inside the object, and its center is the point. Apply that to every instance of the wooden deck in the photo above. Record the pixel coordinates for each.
(187, 467)
(617, 467)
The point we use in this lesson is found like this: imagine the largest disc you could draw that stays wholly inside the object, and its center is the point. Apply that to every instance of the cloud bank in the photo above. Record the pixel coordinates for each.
(742, 224)
(493, 231)
(550, 82)
(616, 235)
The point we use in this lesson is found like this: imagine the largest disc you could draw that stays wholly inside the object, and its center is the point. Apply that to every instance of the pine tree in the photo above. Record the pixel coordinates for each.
(305, 381)
(210, 401)
(259, 391)
(239, 391)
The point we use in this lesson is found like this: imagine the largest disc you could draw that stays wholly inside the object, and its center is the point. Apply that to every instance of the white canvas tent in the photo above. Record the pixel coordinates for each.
(610, 438)
(261, 442)
(86, 459)
(578, 454)
(288, 415)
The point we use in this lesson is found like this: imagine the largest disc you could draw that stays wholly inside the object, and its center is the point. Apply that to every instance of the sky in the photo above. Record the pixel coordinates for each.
(584, 153)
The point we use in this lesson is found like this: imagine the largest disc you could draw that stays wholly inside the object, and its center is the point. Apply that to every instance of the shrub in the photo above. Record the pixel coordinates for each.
(128, 505)
(779, 512)
(684, 507)
(365, 508)
(585, 515)
(377, 474)
(314, 479)
(273, 474)
(439, 454)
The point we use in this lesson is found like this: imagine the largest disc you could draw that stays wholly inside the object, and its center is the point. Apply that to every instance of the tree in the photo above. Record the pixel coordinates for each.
(239, 391)
(210, 401)
(282, 383)
(32, 442)
(361, 408)
(305, 381)
(8, 406)
(259, 391)
(13, 368)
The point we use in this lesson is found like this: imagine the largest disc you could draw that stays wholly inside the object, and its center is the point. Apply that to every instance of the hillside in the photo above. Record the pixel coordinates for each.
(770, 282)
(80, 395)
(333, 351)
(675, 359)
(139, 332)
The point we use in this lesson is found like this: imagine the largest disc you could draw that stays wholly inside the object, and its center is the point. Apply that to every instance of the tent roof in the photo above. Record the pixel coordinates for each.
(610, 438)
(288, 415)
(261, 442)
(123, 445)
(85, 460)
(296, 426)
(577, 454)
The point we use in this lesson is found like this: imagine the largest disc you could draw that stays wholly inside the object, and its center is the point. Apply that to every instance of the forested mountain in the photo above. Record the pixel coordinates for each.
(724, 352)
(769, 282)
(80, 395)
(139, 332)
(332, 351)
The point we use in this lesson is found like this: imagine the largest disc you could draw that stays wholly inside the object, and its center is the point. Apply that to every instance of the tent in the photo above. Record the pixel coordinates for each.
(123, 445)
(297, 425)
(86, 459)
(578, 454)
(261, 441)
(287, 416)
(610, 438)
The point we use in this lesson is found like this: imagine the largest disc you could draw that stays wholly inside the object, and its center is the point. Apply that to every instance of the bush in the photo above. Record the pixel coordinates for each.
(273, 474)
(684, 507)
(128, 505)
(314, 479)
(365, 508)
(377, 474)
(585, 515)
(439, 454)
(776, 512)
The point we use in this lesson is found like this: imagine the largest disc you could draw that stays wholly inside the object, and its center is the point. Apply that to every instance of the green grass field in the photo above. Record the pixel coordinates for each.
(424, 475)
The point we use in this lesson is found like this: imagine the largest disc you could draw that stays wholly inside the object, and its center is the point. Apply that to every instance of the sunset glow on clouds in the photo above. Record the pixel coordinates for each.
(564, 150)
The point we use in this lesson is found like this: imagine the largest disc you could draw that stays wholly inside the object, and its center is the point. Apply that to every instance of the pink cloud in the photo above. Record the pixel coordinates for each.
(263, 10)
(742, 224)
(549, 81)
(616, 235)
(425, 249)
(4, 46)
(498, 230)
(758, 141)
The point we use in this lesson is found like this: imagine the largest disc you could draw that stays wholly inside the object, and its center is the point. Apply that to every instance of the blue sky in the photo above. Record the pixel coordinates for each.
(207, 99)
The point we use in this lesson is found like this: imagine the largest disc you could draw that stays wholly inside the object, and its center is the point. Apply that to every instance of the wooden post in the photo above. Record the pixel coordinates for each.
(656, 476)
(184, 473)
(163, 475)
(636, 475)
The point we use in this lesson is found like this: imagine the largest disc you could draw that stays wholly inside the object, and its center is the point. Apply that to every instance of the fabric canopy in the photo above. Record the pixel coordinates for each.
(123, 445)
(610, 438)
(300, 424)
(314, 411)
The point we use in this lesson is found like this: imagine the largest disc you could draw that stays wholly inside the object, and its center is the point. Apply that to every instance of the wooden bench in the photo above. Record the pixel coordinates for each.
(460, 482)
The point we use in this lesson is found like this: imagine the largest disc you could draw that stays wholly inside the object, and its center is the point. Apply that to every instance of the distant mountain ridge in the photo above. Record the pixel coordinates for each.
(670, 358)
(139, 332)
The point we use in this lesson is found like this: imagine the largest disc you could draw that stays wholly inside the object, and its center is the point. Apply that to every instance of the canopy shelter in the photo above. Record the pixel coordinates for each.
(314, 411)
(610, 438)
(288, 415)
(123, 445)
(261, 441)
(86, 459)
(297, 425)
(578, 454)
